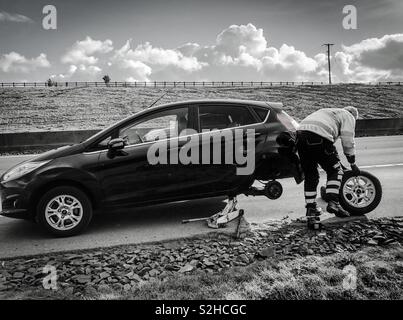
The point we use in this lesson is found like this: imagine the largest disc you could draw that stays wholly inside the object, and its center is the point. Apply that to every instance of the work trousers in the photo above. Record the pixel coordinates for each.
(315, 150)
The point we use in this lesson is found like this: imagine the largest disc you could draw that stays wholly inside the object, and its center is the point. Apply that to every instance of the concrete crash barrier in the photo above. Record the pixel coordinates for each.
(379, 127)
(42, 139)
(52, 139)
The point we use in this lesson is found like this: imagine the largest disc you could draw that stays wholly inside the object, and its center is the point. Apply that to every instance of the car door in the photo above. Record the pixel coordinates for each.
(132, 176)
(220, 122)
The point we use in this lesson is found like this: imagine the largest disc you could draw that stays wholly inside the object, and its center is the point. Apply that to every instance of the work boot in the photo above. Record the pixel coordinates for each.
(336, 209)
(312, 210)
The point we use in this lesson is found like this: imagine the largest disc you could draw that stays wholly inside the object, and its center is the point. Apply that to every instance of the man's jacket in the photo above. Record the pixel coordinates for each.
(332, 123)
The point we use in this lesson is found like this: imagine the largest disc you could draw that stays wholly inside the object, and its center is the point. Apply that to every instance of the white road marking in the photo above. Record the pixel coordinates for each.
(375, 166)
(382, 165)
(19, 156)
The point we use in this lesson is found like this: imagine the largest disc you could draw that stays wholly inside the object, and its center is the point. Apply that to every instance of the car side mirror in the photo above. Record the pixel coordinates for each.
(116, 144)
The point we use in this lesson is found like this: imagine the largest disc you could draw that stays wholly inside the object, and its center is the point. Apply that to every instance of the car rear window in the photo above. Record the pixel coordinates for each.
(287, 121)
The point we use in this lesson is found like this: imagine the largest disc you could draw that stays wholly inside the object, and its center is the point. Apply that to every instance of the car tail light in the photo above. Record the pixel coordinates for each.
(287, 121)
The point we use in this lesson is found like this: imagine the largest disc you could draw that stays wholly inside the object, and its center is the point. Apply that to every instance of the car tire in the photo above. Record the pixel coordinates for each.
(64, 211)
(375, 199)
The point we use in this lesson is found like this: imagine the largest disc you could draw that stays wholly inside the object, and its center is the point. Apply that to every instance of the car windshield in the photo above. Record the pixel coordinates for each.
(100, 133)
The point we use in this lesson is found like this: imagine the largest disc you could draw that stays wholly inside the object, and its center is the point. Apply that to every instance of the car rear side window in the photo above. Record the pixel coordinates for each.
(261, 113)
(221, 117)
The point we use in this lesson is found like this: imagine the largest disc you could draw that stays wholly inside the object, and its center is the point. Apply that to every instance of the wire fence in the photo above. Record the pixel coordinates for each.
(178, 84)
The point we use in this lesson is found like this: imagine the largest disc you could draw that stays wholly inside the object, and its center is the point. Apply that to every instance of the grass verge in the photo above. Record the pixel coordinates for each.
(371, 273)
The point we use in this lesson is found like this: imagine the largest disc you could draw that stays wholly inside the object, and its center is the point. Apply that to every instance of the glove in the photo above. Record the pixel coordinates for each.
(350, 158)
(356, 171)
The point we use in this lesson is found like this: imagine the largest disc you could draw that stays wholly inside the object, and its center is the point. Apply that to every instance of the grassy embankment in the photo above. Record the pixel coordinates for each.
(38, 109)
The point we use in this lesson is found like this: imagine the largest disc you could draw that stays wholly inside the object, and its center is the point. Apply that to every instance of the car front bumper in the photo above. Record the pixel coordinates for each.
(14, 201)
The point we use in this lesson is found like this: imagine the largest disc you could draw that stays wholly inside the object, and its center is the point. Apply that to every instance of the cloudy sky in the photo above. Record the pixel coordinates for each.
(204, 40)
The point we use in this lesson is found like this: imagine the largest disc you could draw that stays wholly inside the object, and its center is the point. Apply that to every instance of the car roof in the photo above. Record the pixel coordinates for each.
(264, 104)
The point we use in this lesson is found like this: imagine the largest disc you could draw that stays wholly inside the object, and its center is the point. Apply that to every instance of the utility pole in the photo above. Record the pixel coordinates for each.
(328, 60)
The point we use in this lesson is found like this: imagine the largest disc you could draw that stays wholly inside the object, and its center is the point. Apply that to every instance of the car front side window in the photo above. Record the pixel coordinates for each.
(161, 125)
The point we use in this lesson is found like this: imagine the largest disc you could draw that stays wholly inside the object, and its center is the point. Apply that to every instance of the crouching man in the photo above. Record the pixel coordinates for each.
(315, 143)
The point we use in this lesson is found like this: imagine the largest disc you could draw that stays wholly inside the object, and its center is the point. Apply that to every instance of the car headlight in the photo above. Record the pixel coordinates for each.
(23, 169)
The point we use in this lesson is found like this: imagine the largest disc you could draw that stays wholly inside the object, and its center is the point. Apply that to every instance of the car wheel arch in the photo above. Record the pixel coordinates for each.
(36, 195)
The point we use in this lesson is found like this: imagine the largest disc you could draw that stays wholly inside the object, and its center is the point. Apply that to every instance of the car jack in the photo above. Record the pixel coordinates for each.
(228, 214)
(314, 223)
(220, 219)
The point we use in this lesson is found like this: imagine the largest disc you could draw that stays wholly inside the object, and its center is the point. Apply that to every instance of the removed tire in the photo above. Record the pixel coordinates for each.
(64, 211)
(360, 194)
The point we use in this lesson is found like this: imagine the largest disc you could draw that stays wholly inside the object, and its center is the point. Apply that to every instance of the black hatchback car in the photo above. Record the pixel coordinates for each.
(60, 189)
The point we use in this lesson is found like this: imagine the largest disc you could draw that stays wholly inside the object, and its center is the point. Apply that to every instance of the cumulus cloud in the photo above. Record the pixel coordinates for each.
(237, 39)
(244, 50)
(15, 62)
(80, 72)
(82, 52)
(152, 57)
(239, 53)
(373, 59)
(14, 17)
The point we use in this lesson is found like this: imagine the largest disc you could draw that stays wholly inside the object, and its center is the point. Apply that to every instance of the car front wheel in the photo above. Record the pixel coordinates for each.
(64, 211)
